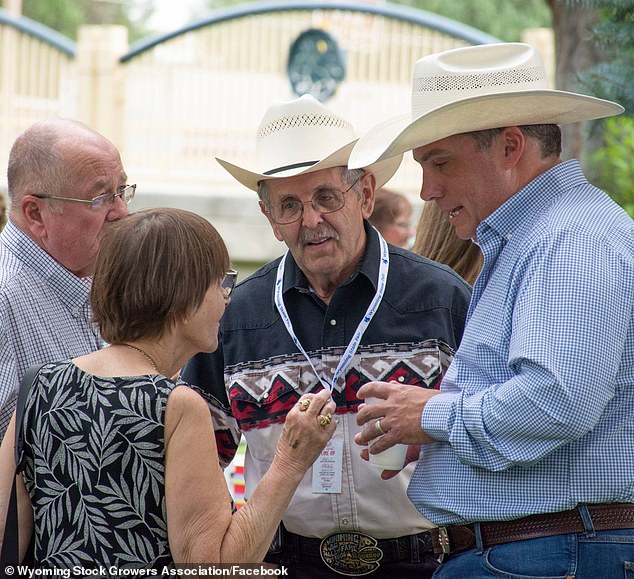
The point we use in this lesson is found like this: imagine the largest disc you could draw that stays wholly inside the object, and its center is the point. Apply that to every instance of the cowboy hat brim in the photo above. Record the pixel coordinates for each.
(532, 107)
(383, 170)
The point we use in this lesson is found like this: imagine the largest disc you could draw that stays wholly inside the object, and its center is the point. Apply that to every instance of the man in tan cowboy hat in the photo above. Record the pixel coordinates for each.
(339, 309)
(529, 445)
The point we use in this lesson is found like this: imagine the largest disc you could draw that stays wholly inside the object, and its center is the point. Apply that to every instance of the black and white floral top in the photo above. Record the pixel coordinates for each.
(94, 466)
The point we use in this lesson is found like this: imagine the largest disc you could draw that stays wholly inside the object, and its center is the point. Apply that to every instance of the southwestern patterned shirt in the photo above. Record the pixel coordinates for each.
(257, 375)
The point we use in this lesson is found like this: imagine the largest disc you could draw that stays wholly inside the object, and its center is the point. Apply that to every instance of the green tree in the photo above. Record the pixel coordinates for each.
(504, 20)
(66, 16)
(60, 15)
(612, 163)
(613, 78)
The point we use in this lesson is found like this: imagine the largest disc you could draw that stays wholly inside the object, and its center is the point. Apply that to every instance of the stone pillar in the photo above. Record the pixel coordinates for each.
(101, 79)
(13, 7)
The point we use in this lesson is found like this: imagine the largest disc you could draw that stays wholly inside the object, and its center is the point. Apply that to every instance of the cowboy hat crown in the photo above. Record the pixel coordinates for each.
(476, 88)
(302, 136)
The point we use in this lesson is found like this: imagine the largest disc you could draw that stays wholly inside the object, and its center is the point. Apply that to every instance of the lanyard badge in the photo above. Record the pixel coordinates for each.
(327, 470)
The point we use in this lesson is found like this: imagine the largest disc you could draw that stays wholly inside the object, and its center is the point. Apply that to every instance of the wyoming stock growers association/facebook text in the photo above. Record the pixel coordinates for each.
(180, 571)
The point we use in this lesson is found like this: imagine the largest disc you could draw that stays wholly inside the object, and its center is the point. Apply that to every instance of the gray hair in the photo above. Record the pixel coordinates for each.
(38, 161)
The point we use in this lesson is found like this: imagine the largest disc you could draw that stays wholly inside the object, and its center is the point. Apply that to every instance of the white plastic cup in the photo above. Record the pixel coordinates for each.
(391, 459)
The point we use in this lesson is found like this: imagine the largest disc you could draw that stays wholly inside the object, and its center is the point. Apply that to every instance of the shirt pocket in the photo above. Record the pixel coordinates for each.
(261, 398)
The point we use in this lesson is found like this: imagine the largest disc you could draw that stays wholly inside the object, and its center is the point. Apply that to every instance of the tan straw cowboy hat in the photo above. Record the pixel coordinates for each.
(302, 136)
(475, 88)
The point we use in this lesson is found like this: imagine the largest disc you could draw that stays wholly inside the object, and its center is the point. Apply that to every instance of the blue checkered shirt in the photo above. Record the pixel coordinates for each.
(537, 409)
(44, 314)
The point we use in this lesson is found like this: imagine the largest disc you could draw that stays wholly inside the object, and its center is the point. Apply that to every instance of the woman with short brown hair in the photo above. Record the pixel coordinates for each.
(120, 462)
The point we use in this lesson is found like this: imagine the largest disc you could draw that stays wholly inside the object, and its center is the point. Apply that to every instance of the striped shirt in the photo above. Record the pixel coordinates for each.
(44, 314)
(537, 409)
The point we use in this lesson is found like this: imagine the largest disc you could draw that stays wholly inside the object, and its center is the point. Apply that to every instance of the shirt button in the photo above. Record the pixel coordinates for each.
(75, 312)
(333, 322)
(345, 522)
(266, 395)
(401, 378)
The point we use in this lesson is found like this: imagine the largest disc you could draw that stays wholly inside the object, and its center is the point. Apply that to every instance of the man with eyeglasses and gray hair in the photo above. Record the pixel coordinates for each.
(66, 185)
(340, 308)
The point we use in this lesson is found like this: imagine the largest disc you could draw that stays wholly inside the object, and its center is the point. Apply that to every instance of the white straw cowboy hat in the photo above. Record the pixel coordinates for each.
(302, 136)
(475, 88)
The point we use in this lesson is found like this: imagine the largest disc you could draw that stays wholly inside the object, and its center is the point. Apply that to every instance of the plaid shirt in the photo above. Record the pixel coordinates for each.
(537, 410)
(44, 314)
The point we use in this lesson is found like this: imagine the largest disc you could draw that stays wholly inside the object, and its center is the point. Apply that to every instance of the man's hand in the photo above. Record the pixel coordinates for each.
(399, 411)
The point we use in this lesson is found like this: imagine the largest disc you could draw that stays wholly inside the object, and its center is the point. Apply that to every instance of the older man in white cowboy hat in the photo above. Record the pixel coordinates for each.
(339, 309)
(529, 446)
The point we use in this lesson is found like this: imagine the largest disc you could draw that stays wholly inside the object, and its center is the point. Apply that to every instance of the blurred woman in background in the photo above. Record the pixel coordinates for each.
(437, 240)
(392, 216)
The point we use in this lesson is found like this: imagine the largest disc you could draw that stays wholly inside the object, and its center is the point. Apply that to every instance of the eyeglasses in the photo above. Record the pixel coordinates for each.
(324, 201)
(229, 282)
(126, 192)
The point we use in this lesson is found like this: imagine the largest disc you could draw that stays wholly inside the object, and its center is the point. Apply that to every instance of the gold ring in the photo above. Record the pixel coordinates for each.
(304, 404)
(378, 427)
(325, 419)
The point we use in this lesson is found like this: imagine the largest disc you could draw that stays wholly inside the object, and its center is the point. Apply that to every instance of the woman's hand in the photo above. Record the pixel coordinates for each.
(199, 521)
(308, 427)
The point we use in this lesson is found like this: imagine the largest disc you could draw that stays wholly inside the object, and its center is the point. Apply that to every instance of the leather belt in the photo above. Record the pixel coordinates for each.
(400, 549)
(605, 517)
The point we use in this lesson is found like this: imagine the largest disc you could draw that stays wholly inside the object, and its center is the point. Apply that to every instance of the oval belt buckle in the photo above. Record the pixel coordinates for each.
(350, 553)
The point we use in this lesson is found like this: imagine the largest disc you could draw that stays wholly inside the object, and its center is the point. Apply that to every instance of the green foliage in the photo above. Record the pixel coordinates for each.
(66, 16)
(505, 20)
(60, 15)
(612, 165)
(614, 79)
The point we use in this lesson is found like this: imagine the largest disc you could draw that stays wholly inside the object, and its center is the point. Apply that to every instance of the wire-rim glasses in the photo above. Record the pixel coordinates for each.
(324, 201)
(126, 192)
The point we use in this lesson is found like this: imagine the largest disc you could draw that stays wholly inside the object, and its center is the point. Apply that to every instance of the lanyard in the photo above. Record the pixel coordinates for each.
(363, 324)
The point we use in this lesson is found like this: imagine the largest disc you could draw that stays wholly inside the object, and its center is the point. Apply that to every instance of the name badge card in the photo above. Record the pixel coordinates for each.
(327, 469)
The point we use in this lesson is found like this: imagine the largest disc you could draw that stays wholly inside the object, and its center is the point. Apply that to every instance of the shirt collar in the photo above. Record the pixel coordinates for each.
(523, 207)
(294, 278)
(73, 291)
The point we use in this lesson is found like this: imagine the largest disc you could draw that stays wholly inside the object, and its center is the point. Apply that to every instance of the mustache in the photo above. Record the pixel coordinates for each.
(323, 231)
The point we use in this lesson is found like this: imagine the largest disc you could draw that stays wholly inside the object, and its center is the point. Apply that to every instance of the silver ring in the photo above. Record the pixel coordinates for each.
(378, 427)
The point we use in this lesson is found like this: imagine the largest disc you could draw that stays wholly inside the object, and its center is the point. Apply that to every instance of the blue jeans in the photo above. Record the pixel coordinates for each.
(589, 555)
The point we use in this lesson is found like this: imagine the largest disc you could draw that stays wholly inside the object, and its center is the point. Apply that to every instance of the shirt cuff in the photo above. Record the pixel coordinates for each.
(438, 415)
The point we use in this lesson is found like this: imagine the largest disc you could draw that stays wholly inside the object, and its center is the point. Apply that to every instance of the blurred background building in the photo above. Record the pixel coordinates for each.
(172, 102)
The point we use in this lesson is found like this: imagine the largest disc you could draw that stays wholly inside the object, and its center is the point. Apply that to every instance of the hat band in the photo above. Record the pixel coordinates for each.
(287, 167)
